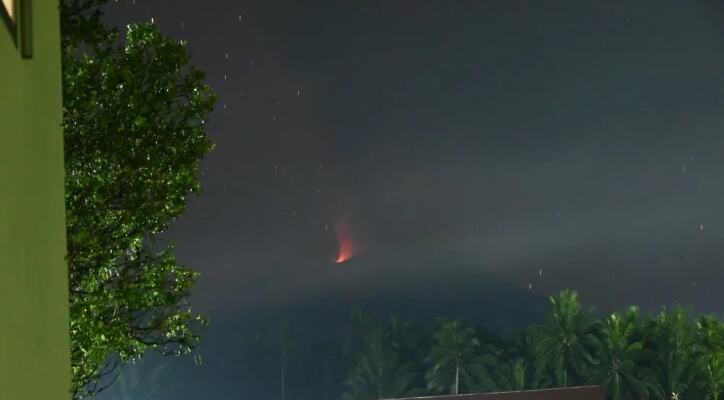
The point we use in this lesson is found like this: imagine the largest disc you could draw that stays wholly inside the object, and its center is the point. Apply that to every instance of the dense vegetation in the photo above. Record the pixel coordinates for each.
(670, 356)
(134, 131)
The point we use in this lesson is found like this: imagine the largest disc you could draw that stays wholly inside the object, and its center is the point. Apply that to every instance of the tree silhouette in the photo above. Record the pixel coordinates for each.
(710, 356)
(378, 372)
(565, 344)
(619, 366)
(456, 363)
(669, 344)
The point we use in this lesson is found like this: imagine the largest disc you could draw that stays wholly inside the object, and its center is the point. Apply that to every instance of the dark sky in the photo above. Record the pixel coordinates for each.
(477, 155)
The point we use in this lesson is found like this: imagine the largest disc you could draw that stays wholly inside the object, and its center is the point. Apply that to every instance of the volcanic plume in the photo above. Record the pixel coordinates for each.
(346, 250)
(346, 246)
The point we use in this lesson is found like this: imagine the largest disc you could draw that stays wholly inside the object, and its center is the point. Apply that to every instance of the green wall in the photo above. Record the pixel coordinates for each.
(34, 338)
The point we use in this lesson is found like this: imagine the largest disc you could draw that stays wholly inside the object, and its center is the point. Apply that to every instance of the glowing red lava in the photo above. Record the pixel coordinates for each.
(346, 250)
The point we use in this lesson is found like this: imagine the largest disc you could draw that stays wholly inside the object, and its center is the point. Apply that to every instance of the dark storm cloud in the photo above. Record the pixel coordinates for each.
(503, 137)
(582, 217)
(509, 136)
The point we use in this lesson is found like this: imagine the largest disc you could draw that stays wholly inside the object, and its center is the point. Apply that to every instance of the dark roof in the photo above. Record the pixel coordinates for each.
(574, 393)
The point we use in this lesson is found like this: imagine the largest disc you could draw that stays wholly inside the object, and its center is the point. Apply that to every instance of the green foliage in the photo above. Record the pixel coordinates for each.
(513, 374)
(81, 24)
(516, 369)
(669, 345)
(378, 372)
(627, 352)
(374, 351)
(406, 339)
(457, 364)
(620, 366)
(710, 357)
(134, 125)
(565, 344)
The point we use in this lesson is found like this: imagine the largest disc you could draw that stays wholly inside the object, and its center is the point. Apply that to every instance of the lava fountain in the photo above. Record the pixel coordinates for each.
(346, 249)
(347, 246)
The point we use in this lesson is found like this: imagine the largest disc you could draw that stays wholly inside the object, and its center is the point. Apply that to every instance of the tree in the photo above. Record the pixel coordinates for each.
(134, 126)
(669, 346)
(710, 356)
(513, 374)
(405, 337)
(565, 344)
(378, 372)
(361, 324)
(455, 360)
(711, 377)
(517, 371)
(619, 367)
(411, 342)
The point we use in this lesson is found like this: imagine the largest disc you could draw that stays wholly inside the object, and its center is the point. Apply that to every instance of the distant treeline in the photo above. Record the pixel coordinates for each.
(674, 354)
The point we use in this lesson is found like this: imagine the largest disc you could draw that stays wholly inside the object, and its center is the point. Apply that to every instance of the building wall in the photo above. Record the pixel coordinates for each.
(34, 337)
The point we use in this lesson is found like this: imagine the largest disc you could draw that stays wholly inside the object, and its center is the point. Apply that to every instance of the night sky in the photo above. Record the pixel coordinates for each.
(472, 157)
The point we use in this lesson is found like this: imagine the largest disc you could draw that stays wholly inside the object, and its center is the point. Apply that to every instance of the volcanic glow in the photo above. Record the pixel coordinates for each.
(347, 246)
(346, 250)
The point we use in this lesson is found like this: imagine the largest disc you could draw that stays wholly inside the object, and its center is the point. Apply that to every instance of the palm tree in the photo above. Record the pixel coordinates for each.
(621, 352)
(361, 324)
(669, 346)
(455, 360)
(518, 372)
(565, 344)
(710, 356)
(378, 372)
(514, 374)
(709, 333)
(711, 377)
(520, 368)
(406, 338)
